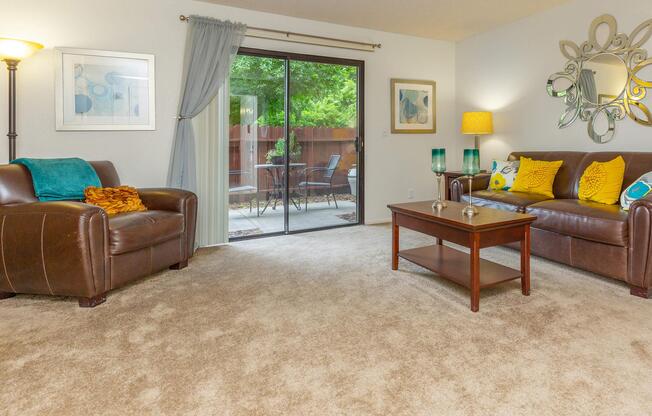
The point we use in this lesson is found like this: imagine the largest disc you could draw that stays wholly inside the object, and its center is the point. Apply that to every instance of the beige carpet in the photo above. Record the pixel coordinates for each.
(318, 324)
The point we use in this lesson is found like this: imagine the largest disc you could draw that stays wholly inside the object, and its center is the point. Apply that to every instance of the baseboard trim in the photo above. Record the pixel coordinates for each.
(378, 221)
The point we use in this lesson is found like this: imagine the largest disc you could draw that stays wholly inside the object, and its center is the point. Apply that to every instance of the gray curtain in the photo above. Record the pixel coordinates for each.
(587, 86)
(211, 46)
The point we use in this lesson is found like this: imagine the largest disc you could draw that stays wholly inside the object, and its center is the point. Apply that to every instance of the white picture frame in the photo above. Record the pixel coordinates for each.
(104, 90)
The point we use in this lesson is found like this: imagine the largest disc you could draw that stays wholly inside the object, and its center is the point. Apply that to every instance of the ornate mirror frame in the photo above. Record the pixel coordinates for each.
(629, 102)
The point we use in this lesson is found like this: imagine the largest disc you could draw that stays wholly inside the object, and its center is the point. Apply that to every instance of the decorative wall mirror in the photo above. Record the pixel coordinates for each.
(605, 80)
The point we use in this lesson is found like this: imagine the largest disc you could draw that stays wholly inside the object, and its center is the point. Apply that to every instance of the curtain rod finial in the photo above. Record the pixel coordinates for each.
(183, 18)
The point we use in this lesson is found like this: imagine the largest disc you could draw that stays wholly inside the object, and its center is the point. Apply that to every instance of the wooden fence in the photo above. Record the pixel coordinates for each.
(317, 145)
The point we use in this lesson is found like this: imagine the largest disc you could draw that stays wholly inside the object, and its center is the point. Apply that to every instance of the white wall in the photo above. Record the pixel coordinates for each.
(505, 71)
(394, 163)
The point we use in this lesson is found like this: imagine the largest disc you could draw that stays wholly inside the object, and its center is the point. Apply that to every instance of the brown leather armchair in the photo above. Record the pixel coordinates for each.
(74, 249)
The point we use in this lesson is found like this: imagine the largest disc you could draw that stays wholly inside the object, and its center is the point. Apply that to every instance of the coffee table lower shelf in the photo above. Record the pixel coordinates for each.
(455, 265)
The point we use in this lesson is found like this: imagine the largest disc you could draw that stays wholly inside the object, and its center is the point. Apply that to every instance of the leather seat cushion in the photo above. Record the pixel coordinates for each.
(505, 200)
(135, 230)
(582, 219)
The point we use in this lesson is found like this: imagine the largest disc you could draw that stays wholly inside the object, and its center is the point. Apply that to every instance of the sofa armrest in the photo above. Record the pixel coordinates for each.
(177, 200)
(460, 186)
(56, 248)
(639, 273)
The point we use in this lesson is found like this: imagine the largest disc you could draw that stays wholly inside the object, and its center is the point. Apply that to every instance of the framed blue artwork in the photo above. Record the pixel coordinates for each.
(104, 90)
(413, 106)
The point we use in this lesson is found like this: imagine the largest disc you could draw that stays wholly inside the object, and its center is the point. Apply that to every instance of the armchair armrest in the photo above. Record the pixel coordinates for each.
(56, 248)
(639, 273)
(460, 186)
(73, 208)
(167, 199)
(177, 200)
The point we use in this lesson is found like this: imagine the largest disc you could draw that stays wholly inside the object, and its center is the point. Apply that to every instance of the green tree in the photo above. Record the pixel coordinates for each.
(322, 95)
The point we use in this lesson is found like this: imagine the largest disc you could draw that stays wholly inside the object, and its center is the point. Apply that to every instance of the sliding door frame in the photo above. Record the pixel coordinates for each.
(360, 142)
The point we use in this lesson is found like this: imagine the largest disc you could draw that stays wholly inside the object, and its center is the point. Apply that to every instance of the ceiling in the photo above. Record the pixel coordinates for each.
(436, 19)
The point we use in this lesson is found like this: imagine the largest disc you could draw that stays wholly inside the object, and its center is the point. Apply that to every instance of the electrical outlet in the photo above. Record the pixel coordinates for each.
(410, 193)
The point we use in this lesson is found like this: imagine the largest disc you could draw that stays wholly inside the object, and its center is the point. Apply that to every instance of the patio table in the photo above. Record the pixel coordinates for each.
(276, 171)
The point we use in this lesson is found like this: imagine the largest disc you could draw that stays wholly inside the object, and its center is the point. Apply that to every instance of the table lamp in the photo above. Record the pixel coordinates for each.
(477, 123)
(438, 167)
(12, 51)
(470, 167)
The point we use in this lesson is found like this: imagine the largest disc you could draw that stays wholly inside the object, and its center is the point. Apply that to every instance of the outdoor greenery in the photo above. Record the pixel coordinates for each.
(279, 149)
(322, 95)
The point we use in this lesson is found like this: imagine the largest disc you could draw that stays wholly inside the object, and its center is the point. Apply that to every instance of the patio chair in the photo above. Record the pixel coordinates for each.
(321, 177)
(250, 190)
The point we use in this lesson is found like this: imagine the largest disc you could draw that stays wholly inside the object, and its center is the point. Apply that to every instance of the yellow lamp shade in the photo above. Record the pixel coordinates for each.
(16, 49)
(477, 122)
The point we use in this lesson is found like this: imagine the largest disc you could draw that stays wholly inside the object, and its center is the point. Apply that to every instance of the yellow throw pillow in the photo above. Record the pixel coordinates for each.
(115, 200)
(601, 181)
(536, 176)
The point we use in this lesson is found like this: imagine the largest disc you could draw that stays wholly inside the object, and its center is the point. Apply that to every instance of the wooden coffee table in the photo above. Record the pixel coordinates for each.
(491, 227)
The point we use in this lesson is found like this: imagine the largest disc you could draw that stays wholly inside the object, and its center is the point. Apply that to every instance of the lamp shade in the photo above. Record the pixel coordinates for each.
(477, 122)
(16, 49)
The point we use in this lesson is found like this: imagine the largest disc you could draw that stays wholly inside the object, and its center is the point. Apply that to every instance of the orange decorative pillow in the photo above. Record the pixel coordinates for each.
(115, 200)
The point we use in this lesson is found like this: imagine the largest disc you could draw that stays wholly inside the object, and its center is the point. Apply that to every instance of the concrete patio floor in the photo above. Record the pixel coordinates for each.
(244, 223)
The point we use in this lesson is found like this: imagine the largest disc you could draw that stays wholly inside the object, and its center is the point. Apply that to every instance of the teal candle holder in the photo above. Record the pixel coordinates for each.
(470, 167)
(438, 167)
(438, 160)
(471, 162)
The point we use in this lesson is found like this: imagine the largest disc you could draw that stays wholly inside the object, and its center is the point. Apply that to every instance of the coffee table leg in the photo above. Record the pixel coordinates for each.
(525, 261)
(475, 272)
(394, 242)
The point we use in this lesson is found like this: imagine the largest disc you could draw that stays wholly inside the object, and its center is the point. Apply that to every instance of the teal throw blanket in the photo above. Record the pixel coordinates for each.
(60, 179)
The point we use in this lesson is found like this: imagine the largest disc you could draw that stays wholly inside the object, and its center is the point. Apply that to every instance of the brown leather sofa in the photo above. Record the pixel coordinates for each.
(74, 249)
(603, 239)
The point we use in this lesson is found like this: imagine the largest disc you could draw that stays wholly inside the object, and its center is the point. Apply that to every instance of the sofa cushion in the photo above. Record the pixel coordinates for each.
(565, 185)
(536, 176)
(602, 181)
(503, 174)
(135, 230)
(637, 190)
(115, 200)
(509, 201)
(582, 219)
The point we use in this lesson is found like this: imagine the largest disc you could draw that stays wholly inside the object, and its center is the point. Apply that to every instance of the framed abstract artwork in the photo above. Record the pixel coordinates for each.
(103, 90)
(413, 106)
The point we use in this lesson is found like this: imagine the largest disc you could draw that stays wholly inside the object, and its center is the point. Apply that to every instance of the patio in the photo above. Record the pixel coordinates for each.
(243, 223)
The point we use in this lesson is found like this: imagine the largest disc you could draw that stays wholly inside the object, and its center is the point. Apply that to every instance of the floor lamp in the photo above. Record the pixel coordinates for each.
(12, 51)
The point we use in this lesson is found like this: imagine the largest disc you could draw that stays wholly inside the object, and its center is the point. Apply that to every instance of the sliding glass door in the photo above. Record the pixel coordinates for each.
(324, 123)
(256, 123)
(313, 179)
